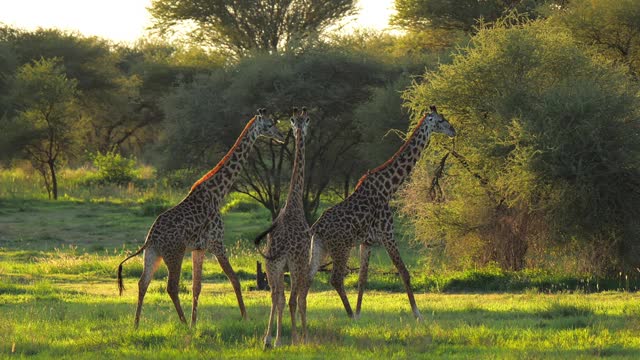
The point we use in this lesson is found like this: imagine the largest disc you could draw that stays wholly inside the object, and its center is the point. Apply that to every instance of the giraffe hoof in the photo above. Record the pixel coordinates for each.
(356, 317)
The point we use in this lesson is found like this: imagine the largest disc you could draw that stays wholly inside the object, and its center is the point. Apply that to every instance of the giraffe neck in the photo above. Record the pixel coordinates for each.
(220, 179)
(387, 178)
(296, 185)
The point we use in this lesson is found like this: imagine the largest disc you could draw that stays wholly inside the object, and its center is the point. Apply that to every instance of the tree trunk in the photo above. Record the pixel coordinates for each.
(346, 185)
(54, 180)
(261, 278)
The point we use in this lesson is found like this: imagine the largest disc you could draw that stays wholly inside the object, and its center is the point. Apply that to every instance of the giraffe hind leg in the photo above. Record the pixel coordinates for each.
(293, 305)
(173, 284)
(151, 263)
(393, 252)
(233, 278)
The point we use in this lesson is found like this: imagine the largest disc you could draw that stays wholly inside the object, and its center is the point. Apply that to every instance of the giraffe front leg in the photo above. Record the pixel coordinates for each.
(280, 299)
(302, 309)
(197, 258)
(215, 245)
(338, 273)
(276, 282)
(233, 278)
(393, 252)
(385, 231)
(365, 253)
(267, 335)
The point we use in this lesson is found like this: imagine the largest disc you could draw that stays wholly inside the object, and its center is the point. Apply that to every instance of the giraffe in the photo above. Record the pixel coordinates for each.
(195, 224)
(288, 244)
(365, 217)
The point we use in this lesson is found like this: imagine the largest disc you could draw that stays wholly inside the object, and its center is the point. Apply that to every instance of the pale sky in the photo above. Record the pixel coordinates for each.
(126, 20)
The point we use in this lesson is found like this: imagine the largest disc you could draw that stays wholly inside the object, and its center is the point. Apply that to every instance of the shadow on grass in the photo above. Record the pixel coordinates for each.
(471, 331)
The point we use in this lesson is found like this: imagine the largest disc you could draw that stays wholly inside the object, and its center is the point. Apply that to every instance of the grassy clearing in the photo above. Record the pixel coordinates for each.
(83, 319)
(58, 296)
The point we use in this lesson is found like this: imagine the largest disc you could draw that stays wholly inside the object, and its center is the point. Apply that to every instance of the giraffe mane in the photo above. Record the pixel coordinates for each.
(213, 171)
(394, 157)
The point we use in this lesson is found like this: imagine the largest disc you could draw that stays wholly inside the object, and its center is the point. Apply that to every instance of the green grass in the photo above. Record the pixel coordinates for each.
(58, 295)
(86, 319)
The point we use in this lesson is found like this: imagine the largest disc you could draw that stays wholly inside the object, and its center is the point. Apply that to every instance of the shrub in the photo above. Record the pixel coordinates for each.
(181, 178)
(153, 206)
(241, 203)
(547, 149)
(113, 168)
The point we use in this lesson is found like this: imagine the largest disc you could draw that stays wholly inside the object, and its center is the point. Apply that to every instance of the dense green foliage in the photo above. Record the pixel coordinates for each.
(332, 83)
(547, 148)
(113, 168)
(462, 14)
(611, 27)
(44, 128)
(534, 206)
(244, 26)
(543, 172)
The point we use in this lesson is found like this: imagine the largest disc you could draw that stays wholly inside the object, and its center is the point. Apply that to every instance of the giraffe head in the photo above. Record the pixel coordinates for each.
(438, 123)
(300, 120)
(267, 126)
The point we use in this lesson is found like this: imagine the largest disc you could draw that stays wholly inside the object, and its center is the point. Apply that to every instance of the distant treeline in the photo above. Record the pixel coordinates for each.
(544, 172)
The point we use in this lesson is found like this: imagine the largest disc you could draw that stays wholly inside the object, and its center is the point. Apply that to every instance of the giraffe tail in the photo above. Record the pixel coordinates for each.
(261, 236)
(120, 284)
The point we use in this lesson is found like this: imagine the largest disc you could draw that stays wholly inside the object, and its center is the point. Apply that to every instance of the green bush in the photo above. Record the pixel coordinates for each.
(113, 168)
(240, 203)
(547, 150)
(181, 178)
(153, 206)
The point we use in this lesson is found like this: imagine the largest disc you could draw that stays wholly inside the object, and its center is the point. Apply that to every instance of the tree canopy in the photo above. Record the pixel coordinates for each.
(547, 144)
(47, 117)
(331, 83)
(459, 14)
(244, 26)
(612, 27)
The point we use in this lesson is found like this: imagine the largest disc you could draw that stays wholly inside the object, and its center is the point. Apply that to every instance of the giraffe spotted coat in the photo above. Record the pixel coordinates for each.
(365, 217)
(195, 225)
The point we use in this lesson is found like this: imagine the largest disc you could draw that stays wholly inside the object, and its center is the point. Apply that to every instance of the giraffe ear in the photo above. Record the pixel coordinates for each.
(295, 110)
(304, 109)
(433, 109)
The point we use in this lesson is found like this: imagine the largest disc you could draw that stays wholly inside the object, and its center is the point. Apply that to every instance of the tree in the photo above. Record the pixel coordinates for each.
(8, 65)
(244, 26)
(47, 117)
(547, 148)
(108, 96)
(158, 68)
(205, 117)
(612, 27)
(458, 14)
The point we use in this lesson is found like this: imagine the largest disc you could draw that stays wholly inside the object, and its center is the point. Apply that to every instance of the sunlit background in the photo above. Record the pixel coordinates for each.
(126, 20)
